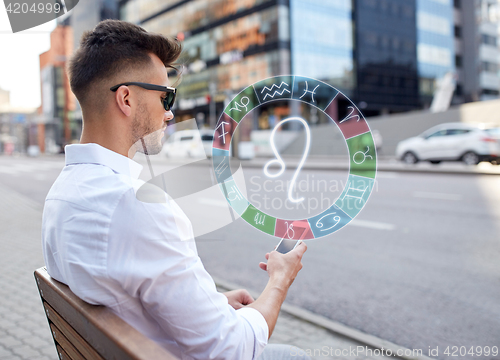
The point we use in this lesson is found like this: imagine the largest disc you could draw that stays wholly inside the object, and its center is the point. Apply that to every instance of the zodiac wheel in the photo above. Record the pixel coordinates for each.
(354, 129)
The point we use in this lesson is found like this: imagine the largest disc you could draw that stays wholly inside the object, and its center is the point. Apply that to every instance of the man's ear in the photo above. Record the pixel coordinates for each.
(123, 100)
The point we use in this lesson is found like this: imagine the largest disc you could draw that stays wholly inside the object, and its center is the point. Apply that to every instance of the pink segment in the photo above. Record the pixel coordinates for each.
(352, 124)
(293, 229)
(223, 132)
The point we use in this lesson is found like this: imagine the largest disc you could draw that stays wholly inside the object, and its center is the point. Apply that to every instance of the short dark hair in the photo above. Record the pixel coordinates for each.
(113, 47)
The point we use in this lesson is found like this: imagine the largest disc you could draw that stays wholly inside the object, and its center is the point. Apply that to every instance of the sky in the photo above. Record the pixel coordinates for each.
(19, 60)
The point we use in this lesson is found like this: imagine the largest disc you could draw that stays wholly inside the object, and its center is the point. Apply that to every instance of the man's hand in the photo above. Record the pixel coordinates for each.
(239, 298)
(282, 270)
(284, 266)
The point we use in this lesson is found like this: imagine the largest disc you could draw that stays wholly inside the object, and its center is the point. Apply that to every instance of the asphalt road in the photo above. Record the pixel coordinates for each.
(419, 267)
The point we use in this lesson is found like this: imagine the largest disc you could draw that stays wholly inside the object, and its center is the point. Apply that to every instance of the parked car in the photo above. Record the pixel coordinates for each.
(450, 142)
(494, 132)
(189, 143)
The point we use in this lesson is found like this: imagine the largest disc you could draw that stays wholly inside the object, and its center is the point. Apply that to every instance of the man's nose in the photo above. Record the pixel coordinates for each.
(169, 115)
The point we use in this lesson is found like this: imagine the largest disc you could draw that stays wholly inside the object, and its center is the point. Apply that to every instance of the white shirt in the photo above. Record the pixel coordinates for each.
(114, 250)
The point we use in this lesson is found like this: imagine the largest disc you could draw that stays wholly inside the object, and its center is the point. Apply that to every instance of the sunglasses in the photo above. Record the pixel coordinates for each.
(169, 100)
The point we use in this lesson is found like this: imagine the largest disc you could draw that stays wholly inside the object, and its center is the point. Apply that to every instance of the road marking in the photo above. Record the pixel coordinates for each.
(387, 175)
(372, 224)
(213, 202)
(438, 196)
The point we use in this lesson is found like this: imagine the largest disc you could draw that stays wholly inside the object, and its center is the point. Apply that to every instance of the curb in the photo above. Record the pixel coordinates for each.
(333, 326)
(395, 167)
(385, 166)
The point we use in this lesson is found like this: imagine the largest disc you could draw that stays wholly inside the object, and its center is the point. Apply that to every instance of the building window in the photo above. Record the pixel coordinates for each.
(458, 32)
(489, 92)
(489, 67)
(458, 61)
(489, 40)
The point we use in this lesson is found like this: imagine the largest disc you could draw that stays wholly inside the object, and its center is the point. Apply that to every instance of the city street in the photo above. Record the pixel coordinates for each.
(418, 267)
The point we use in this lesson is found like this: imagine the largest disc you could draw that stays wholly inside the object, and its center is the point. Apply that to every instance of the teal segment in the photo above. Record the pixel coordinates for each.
(233, 195)
(314, 92)
(220, 160)
(355, 194)
(275, 88)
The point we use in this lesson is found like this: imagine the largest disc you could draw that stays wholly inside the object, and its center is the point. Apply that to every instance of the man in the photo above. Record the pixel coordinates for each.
(115, 250)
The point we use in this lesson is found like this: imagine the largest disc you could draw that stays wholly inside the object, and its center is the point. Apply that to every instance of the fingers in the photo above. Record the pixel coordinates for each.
(301, 248)
(263, 266)
(246, 297)
(267, 256)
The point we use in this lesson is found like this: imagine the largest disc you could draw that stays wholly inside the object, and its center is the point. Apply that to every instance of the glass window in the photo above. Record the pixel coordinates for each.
(437, 134)
(457, 131)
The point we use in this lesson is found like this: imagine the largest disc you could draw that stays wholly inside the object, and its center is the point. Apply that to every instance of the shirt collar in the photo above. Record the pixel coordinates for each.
(96, 154)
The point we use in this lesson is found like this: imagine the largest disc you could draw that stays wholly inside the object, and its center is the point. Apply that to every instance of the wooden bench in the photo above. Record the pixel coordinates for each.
(84, 331)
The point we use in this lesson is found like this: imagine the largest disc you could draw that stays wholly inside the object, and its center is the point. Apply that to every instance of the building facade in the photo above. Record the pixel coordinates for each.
(386, 55)
(57, 112)
(435, 44)
(477, 52)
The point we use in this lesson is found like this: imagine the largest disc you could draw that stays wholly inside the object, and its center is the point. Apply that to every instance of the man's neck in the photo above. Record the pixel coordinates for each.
(107, 140)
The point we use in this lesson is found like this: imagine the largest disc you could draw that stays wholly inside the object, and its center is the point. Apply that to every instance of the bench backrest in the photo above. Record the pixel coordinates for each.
(84, 331)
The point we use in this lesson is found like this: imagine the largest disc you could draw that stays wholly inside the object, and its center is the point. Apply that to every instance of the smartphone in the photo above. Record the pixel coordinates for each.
(286, 245)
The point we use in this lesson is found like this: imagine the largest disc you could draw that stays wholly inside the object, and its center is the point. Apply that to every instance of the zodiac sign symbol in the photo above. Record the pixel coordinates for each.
(259, 219)
(350, 116)
(276, 92)
(313, 91)
(237, 194)
(359, 197)
(237, 105)
(364, 154)
(319, 224)
(221, 167)
(223, 132)
(280, 161)
(288, 229)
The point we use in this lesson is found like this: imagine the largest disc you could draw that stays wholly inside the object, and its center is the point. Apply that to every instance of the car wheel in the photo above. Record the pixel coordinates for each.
(435, 161)
(409, 158)
(470, 158)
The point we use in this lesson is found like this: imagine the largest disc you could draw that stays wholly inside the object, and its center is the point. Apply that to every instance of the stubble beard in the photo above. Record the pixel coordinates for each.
(145, 138)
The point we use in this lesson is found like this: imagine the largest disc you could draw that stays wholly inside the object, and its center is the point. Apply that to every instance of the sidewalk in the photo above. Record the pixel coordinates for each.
(24, 333)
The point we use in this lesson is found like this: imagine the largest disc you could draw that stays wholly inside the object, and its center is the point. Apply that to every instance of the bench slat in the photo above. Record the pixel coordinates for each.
(65, 344)
(79, 343)
(109, 335)
(62, 354)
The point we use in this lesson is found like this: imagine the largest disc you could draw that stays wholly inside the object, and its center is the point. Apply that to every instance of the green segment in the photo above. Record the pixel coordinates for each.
(242, 104)
(261, 221)
(362, 155)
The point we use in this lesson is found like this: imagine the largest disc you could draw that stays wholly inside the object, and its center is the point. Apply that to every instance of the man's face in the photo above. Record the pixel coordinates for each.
(151, 119)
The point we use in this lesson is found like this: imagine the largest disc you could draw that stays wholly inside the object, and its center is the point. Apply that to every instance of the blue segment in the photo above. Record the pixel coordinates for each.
(328, 221)
(222, 169)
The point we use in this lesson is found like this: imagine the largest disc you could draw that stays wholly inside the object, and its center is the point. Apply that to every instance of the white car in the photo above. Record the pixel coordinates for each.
(189, 143)
(450, 142)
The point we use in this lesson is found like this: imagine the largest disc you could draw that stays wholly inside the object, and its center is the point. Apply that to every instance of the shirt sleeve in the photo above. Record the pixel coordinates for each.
(150, 262)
